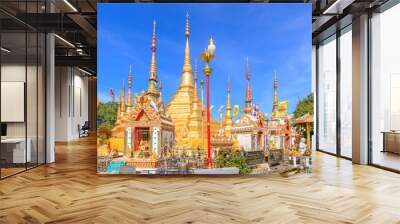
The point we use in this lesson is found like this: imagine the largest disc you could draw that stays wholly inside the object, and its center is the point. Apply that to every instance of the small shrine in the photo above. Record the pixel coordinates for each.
(248, 129)
(144, 130)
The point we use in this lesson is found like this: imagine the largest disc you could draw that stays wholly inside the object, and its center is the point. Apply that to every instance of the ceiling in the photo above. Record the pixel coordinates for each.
(75, 22)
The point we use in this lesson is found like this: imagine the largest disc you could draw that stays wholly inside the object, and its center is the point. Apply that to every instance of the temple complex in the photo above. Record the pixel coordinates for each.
(150, 137)
(248, 129)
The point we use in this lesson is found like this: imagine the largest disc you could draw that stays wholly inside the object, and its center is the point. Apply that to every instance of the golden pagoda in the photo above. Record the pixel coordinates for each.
(185, 107)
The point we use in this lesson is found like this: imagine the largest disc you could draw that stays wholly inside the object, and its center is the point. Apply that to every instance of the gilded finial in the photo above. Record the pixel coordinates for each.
(187, 32)
(275, 104)
(247, 69)
(130, 88)
(249, 94)
(153, 79)
(229, 84)
(153, 65)
(187, 77)
(210, 41)
(153, 41)
(195, 71)
(123, 97)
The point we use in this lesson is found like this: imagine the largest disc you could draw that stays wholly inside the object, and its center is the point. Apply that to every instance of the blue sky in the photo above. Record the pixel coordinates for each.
(273, 36)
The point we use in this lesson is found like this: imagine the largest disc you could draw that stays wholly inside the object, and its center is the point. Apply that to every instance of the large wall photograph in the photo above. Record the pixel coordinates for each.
(198, 89)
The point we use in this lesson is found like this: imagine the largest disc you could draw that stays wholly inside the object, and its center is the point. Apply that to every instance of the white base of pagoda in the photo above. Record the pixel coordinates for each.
(216, 171)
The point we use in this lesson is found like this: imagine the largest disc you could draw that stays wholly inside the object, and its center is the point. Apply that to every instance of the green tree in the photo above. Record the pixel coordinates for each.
(305, 106)
(107, 114)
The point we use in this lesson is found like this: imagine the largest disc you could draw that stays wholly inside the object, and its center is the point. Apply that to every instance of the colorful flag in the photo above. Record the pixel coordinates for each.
(235, 110)
(253, 110)
(112, 95)
(211, 107)
(282, 108)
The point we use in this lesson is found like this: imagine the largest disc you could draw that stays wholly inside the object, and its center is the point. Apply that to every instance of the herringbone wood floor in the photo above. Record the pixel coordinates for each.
(69, 191)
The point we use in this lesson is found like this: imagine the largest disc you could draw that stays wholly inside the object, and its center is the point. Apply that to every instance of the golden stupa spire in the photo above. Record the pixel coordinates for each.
(184, 108)
(228, 116)
(247, 108)
(187, 79)
(119, 110)
(152, 89)
(195, 77)
(123, 97)
(275, 104)
(195, 116)
(160, 88)
(129, 104)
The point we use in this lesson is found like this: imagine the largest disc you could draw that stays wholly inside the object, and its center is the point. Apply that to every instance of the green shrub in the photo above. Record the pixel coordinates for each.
(235, 159)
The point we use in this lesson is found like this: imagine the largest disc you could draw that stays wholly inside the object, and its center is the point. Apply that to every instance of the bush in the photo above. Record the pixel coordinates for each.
(232, 159)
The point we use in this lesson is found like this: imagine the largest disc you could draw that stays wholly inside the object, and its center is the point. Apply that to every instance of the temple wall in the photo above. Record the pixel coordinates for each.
(245, 141)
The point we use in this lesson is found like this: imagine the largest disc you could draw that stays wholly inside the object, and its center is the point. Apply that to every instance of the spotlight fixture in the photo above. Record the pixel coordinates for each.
(64, 40)
(70, 5)
(5, 50)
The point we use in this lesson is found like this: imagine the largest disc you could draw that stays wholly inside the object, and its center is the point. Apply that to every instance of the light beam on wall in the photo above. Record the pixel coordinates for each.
(64, 40)
(5, 50)
(84, 71)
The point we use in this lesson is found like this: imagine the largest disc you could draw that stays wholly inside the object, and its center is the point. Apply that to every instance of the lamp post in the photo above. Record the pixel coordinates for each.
(202, 113)
(207, 56)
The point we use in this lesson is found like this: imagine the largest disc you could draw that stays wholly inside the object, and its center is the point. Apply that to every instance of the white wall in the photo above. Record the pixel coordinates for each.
(314, 91)
(71, 102)
(245, 141)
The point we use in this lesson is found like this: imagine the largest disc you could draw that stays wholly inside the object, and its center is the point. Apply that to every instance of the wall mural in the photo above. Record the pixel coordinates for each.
(197, 89)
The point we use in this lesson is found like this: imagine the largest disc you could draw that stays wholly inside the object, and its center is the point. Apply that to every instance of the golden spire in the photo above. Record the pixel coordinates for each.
(119, 110)
(228, 117)
(195, 116)
(123, 98)
(129, 104)
(195, 78)
(152, 89)
(160, 87)
(275, 103)
(187, 79)
(247, 108)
